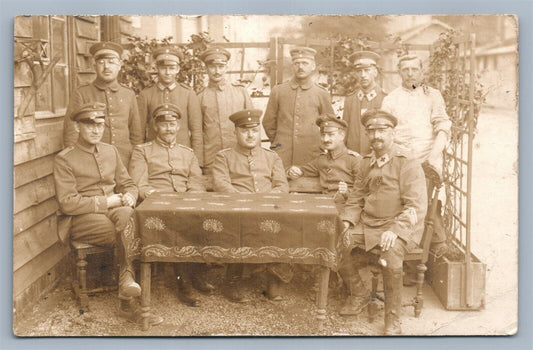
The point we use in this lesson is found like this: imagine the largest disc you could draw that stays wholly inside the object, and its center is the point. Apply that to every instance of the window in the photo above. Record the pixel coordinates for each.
(52, 96)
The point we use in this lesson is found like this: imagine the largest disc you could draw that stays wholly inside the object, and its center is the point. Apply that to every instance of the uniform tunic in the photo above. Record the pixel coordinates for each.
(160, 166)
(218, 102)
(239, 169)
(84, 177)
(190, 133)
(355, 105)
(122, 122)
(421, 114)
(290, 118)
(332, 167)
(389, 194)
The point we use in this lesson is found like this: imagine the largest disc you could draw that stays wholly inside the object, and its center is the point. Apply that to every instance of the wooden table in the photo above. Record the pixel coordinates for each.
(237, 228)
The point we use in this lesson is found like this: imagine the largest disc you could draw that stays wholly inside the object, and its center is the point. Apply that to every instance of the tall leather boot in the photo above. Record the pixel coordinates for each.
(392, 285)
(358, 297)
(182, 271)
(231, 289)
(127, 286)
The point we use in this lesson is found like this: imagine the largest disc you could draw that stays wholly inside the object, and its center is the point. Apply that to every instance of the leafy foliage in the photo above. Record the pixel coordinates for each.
(447, 72)
(138, 71)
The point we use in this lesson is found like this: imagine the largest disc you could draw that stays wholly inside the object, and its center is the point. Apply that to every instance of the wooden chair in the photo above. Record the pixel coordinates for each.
(81, 251)
(419, 254)
(79, 283)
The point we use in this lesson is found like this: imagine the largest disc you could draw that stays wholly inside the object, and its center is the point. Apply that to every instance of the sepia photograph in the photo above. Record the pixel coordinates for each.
(265, 175)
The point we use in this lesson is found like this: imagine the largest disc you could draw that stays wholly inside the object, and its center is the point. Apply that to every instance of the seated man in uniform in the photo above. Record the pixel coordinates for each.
(337, 166)
(163, 165)
(247, 167)
(386, 208)
(94, 188)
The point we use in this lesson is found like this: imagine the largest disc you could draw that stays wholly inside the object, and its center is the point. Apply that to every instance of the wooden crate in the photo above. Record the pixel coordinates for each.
(448, 280)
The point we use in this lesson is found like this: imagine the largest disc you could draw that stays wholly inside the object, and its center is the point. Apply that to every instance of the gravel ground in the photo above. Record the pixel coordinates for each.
(57, 314)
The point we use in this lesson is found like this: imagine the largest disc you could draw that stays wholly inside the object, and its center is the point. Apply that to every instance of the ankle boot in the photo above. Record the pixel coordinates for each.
(392, 285)
(198, 279)
(185, 293)
(274, 287)
(133, 314)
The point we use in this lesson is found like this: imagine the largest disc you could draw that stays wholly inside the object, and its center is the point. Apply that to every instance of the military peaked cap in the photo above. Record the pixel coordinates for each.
(166, 112)
(106, 48)
(215, 54)
(303, 52)
(90, 113)
(247, 118)
(378, 119)
(167, 55)
(331, 120)
(364, 59)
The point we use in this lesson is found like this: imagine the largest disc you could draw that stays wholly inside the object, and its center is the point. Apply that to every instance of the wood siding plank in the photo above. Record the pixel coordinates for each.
(32, 242)
(33, 193)
(33, 270)
(29, 217)
(49, 140)
(35, 169)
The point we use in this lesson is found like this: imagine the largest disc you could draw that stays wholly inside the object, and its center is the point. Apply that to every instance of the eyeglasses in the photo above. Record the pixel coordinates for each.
(102, 61)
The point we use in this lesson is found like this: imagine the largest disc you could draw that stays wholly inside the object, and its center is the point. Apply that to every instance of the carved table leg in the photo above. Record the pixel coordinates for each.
(322, 300)
(146, 277)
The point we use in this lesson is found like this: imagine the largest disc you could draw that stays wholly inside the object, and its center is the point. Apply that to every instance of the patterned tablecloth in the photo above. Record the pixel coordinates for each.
(240, 227)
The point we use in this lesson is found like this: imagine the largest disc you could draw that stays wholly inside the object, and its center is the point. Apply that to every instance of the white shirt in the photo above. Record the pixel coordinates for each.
(421, 114)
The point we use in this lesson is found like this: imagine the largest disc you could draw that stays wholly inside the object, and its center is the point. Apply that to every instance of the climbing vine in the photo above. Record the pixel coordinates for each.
(450, 72)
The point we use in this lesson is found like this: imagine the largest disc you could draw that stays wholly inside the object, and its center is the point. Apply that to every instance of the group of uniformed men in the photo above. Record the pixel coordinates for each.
(120, 149)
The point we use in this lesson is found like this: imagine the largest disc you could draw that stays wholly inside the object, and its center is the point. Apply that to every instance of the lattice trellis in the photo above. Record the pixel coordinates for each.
(457, 79)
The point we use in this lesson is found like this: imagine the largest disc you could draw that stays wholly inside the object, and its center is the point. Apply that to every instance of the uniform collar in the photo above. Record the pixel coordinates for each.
(384, 159)
(369, 95)
(219, 86)
(163, 87)
(337, 153)
(306, 85)
(162, 143)
(88, 148)
(246, 151)
(113, 86)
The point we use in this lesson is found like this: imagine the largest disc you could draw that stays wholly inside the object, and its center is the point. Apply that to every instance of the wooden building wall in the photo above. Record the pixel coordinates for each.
(51, 59)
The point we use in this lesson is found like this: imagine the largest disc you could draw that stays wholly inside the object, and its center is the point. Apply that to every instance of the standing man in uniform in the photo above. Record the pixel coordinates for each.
(122, 126)
(94, 188)
(163, 165)
(247, 167)
(168, 90)
(386, 208)
(368, 95)
(292, 110)
(218, 101)
(423, 125)
(337, 166)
